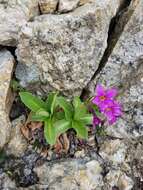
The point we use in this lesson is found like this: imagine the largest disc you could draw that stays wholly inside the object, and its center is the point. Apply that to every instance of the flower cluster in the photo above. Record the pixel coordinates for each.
(107, 104)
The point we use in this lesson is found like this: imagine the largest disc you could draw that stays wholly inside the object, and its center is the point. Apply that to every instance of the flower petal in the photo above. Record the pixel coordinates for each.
(99, 90)
(111, 93)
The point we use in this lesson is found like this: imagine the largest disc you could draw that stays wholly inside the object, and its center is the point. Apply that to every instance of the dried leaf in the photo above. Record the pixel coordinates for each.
(66, 143)
(34, 125)
(58, 146)
(25, 132)
(44, 152)
(62, 144)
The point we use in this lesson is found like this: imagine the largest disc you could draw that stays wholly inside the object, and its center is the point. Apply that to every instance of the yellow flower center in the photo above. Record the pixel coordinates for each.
(108, 109)
(102, 98)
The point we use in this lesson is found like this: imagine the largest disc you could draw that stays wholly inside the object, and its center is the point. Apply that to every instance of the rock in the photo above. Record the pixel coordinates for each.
(67, 5)
(14, 14)
(48, 6)
(80, 154)
(124, 70)
(125, 183)
(6, 183)
(113, 151)
(62, 52)
(17, 144)
(82, 2)
(71, 174)
(116, 178)
(6, 98)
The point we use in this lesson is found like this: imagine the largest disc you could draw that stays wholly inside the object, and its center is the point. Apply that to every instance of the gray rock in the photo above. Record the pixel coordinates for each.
(67, 5)
(48, 6)
(124, 69)
(82, 2)
(6, 183)
(14, 14)
(17, 144)
(114, 152)
(116, 178)
(71, 174)
(6, 98)
(65, 50)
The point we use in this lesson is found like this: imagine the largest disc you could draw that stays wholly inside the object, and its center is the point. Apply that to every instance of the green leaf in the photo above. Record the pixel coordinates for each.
(59, 115)
(80, 129)
(62, 126)
(96, 109)
(66, 106)
(40, 115)
(79, 108)
(51, 102)
(32, 102)
(42, 112)
(86, 119)
(38, 118)
(49, 132)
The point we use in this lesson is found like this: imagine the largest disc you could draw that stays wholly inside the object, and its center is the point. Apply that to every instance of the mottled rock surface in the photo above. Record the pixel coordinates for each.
(85, 173)
(62, 52)
(48, 6)
(17, 144)
(14, 14)
(124, 69)
(67, 5)
(6, 69)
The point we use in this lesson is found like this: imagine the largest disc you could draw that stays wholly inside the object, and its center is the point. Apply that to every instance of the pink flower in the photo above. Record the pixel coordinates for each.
(96, 121)
(112, 111)
(103, 96)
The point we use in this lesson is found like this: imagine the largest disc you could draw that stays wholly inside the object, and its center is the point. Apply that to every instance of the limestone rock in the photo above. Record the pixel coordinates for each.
(67, 5)
(14, 14)
(124, 69)
(113, 151)
(48, 6)
(6, 183)
(6, 69)
(116, 178)
(82, 2)
(62, 52)
(17, 144)
(125, 183)
(71, 174)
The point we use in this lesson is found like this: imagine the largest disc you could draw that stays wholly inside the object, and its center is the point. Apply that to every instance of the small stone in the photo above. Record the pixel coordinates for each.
(17, 144)
(6, 97)
(67, 5)
(112, 178)
(80, 154)
(113, 151)
(48, 6)
(125, 183)
(6, 183)
(71, 174)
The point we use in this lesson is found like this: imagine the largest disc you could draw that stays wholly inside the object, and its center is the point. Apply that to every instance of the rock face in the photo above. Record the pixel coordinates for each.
(62, 52)
(17, 144)
(48, 6)
(14, 14)
(67, 5)
(124, 69)
(85, 173)
(6, 68)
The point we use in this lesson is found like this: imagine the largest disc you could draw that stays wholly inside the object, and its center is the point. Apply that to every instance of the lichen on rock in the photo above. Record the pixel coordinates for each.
(62, 52)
